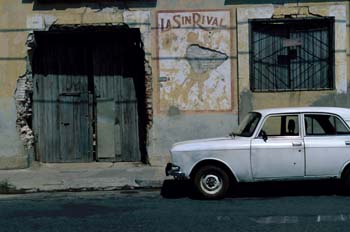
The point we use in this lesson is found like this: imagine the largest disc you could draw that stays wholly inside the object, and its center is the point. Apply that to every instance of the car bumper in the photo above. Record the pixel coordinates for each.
(175, 171)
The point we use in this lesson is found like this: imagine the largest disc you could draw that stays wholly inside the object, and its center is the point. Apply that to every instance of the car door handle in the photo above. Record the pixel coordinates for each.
(297, 144)
(347, 143)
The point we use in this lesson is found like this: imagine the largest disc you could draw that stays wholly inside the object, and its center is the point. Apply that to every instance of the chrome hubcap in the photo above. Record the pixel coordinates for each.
(211, 183)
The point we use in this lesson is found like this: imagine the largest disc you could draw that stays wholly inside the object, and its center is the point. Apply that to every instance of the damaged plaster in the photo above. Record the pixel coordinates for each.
(23, 98)
(41, 22)
(203, 59)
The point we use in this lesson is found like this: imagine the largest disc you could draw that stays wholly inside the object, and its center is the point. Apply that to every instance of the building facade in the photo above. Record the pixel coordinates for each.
(121, 81)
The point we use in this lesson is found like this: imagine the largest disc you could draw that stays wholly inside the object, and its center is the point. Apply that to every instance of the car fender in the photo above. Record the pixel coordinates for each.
(213, 160)
(345, 165)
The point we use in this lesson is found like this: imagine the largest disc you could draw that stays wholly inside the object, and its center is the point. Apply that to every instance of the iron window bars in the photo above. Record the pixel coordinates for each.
(291, 54)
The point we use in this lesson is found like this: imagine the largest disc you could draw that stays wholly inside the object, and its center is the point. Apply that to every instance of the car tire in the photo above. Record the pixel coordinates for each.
(211, 182)
(346, 179)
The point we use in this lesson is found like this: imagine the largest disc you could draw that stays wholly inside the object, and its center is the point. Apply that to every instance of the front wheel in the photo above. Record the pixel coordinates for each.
(211, 182)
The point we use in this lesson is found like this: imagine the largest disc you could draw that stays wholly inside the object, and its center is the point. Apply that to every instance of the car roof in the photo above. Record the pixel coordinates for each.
(343, 112)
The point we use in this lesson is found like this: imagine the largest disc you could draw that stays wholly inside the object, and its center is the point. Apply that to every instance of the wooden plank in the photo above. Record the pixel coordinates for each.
(66, 118)
(55, 117)
(106, 117)
(39, 118)
(48, 118)
(75, 122)
(105, 125)
(85, 122)
(76, 119)
(77, 133)
(130, 147)
(118, 118)
(36, 115)
(90, 119)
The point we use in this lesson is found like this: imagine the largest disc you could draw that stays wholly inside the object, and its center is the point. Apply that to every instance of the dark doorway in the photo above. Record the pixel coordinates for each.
(89, 95)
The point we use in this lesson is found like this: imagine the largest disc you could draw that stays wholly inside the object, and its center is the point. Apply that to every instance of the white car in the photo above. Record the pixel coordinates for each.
(271, 144)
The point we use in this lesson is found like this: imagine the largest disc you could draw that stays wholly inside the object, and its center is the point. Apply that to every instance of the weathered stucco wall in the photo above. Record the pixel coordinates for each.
(12, 154)
(195, 108)
(12, 64)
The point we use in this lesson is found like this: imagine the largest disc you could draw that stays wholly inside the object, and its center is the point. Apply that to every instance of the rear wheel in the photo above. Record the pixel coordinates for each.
(211, 182)
(346, 179)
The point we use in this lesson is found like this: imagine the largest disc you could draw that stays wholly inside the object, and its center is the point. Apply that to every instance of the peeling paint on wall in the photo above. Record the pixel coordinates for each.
(23, 95)
(195, 55)
(194, 65)
(40, 22)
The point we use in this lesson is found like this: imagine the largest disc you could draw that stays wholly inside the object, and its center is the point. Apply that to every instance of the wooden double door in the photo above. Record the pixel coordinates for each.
(85, 105)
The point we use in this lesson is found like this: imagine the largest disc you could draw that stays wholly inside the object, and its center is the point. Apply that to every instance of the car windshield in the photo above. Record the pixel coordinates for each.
(248, 125)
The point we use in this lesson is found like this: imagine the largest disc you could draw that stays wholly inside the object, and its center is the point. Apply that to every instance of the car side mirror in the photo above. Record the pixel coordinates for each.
(263, 135)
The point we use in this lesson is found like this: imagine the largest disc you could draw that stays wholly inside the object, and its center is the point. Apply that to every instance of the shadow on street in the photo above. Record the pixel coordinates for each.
(176, 189)
(181, 189)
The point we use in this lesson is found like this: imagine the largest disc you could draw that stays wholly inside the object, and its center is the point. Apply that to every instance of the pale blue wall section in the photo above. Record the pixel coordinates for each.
(12, 154)
(171, 129)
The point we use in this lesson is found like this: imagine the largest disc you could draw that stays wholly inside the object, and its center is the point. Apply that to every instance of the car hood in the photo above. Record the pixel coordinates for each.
(222, 143)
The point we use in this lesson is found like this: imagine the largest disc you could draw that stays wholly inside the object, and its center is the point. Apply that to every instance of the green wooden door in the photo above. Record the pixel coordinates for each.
(116, 106)
(62, 102)
(85, 97)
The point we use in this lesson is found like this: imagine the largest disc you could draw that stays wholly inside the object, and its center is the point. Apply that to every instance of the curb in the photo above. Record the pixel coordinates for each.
(9, 188)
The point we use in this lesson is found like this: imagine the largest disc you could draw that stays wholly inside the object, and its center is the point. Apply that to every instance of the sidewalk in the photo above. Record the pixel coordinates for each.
(81, 177)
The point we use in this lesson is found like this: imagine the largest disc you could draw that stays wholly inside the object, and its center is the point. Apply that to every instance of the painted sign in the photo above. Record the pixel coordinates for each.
(194, 50)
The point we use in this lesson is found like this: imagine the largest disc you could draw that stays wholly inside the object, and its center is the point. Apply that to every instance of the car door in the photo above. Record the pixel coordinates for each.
(280, 155)
(327, 144)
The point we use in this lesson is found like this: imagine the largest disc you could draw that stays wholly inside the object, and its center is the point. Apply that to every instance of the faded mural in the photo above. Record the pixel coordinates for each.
(194, 60)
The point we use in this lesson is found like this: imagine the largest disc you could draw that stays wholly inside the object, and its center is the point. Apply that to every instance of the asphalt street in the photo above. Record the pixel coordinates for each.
(261, 207)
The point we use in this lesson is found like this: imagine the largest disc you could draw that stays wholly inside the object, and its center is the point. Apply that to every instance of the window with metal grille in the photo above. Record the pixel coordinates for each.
(291, 54)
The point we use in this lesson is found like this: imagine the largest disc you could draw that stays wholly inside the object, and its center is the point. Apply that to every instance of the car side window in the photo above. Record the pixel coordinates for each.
(281, 125)
(322, 124)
